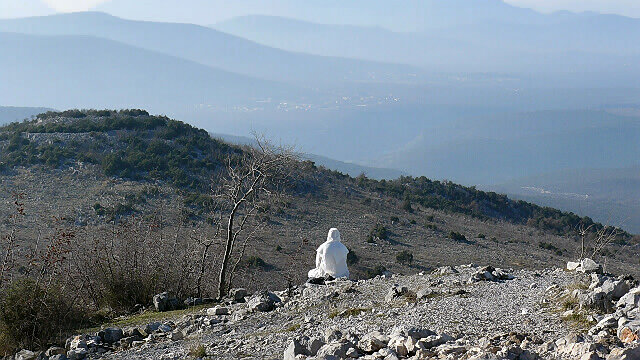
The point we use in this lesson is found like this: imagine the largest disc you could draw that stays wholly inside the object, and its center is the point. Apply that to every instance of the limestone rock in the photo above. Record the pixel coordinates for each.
(373, 341)
(111, 335)
(25, 355)
(163, 302)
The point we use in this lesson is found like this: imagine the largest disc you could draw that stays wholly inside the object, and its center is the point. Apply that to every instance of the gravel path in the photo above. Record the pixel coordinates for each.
(455, 307)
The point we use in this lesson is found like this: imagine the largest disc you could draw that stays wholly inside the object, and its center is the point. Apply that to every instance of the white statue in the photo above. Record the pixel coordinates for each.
(331, 258)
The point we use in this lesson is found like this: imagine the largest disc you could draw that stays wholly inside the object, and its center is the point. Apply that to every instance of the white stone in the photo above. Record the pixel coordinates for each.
(218, 310)
(331, 258)
(572, 265)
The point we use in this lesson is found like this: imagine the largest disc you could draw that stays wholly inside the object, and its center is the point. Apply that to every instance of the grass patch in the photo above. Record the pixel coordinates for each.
(146, 318)
(198, 351)
(293, 327)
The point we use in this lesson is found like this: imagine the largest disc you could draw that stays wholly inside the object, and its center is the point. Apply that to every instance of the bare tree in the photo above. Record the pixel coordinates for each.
(596, 241)
(9, 245)
(250, 182)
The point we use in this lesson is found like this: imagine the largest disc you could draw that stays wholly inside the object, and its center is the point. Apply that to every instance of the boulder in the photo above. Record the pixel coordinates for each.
(218, 310)
(629, 332)
(398, 343)
(589, 266)
(373, 341)
(55, 350)
(238, 294)
(77, 354)
(152, 327)
(630, 300)
(433, 341)
(395, 292)
(111, 335)
(335, 350)
(164, 302)
(489, 273)
(427, 293)
(193, 301)
(25, 355)
(624, 354)
(263, 302)
(572, 265)
(294, 349)
(58, 357)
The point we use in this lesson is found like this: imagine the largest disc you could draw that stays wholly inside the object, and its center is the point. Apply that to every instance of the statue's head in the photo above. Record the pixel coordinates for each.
(334, 235)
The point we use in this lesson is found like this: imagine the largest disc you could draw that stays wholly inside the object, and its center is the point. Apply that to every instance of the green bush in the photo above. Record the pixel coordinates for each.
(378, 270)
(378, 232)
(123, 292)
(457, 236)
(255, 262)
(404, 257)
(33, 317)
(406, 206)
(352, 258)
(482, 236)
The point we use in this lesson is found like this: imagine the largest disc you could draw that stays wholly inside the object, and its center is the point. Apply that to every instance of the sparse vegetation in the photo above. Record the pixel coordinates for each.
(379, 232)
(404, 257)
(198, 351)
(454, 235)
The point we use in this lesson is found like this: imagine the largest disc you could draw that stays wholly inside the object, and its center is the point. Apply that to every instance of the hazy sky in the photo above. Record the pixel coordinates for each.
(19, 8)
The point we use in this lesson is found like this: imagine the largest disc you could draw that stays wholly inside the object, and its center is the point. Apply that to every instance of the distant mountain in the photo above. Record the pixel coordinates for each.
(11, 113)
(525, 42)
(609, 195)
(410, 15)
(212, 48)
(82, 71)
(343, 40)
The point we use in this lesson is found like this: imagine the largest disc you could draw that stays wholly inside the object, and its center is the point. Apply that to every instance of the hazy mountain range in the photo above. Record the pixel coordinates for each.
(479, 92)
(555, 44)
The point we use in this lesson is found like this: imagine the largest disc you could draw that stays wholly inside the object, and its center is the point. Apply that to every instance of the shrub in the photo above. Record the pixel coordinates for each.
(457, 236)
(550, 247)
(378, 270)
(404, 257)
(378, 232)
(352, 258)
(255, 262)
(122, 293)
(482, 236)
(32, 316)
(406, 205)
(394, 219)
(198, 351)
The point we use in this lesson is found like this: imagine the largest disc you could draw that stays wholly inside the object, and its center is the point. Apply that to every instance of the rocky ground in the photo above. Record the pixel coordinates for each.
(463, 312)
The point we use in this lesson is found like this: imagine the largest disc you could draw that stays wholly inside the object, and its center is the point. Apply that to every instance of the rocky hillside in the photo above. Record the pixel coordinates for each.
(462, 312)
(93, 168)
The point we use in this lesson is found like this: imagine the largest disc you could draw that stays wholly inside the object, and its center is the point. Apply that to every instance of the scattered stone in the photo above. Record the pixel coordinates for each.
(396, 291)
